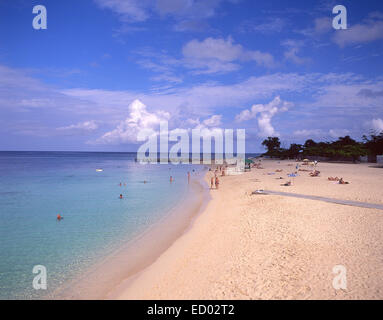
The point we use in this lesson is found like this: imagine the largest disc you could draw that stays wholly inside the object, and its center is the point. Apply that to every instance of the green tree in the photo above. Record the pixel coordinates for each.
(294, 150)
(374, 143)
(273, 145)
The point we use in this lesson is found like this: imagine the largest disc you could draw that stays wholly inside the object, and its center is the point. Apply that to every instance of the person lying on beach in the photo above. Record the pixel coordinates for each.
(333, 178)
(287, 184)
(279, 170)
(341, 181)
(304, 170)
(316, 173)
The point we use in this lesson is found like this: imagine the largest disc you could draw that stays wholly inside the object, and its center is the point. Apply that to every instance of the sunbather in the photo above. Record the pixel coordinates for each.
(315, 173)
(341, 181)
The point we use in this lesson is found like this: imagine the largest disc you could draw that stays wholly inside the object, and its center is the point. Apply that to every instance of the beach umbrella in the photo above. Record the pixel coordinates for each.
(306, 160)
(249, 161)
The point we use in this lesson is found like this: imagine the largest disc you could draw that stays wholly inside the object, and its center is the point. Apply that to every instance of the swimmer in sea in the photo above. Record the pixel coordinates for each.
(121, 196)
(188, 177)
(59, 217)
(171, 179)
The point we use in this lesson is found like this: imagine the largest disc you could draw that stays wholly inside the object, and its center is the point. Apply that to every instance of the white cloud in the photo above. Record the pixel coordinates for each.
(219, 55)
(82, 126)
(292, 51)
(370, 30)
(321, 26)
(210, 48)
(213, 121)
(139, 119)
(264, 113)
(320, 133)
(377, 125)
(321, 95)
(129, 10)
(304, 133)
(188, 14)
(336, 133)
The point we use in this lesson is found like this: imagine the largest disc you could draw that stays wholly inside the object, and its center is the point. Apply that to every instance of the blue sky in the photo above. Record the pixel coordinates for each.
(104, 69)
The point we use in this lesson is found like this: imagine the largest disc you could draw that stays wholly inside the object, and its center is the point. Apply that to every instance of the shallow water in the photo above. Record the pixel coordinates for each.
(36, 186)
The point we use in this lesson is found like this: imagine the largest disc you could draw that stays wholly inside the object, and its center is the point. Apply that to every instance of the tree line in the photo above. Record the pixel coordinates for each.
(344, 148)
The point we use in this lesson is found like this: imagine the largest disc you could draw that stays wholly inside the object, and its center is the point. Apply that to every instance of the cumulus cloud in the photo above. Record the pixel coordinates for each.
(377, 125)
(370, 30)
(329, 94)
(139, 119)
(221, 55)
(264, 113)
(213, 121)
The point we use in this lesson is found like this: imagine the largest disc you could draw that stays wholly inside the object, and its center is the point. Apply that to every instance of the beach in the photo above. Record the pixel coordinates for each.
(256, 246)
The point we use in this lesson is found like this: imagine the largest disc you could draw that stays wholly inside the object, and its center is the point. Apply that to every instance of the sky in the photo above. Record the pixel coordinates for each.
(105, 69)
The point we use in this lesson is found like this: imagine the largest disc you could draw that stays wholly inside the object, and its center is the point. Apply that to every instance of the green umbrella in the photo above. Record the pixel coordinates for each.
(248, 161)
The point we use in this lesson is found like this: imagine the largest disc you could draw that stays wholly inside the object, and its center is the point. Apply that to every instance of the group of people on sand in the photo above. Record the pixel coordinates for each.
(214, 180)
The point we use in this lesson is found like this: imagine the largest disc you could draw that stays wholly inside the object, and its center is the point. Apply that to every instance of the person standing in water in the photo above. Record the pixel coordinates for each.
(171, 179)
(216, 182)
(188, 177)
(121, 196)
(211, 182)
(59, 217)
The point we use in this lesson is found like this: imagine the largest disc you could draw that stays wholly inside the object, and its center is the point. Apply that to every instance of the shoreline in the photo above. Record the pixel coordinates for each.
(246, 246)
(134, 256)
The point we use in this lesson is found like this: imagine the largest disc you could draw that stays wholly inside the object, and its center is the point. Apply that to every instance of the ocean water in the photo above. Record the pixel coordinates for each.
(36, 186)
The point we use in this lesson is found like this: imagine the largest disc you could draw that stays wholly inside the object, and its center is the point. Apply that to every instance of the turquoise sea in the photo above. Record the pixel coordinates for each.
(36, 186)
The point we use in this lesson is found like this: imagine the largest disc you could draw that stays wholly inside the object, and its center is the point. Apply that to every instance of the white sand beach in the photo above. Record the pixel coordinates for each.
(245, 246)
